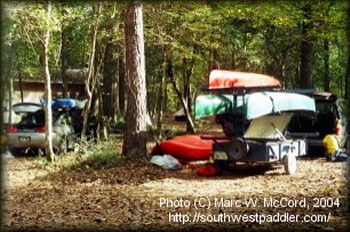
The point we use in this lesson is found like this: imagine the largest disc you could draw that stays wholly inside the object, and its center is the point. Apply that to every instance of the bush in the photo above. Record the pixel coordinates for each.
(106, 158)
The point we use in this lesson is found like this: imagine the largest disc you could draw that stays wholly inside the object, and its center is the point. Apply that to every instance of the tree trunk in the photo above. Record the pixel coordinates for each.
(91, 77)
(10, 100)
(20, 85)
(170, 73)
(136, 112)
(44, 64)
(64, 54)
(103, 133)
(188, 70)
(165, 93)
(98, 103)
(160, 97)
(110, 69)
(2, 99)
(121, 80)
(326, 65)
(306, 54)
(347, 75)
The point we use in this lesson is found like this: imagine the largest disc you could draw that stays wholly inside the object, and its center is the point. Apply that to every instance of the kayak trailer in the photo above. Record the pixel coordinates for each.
(263, 142)
(259, 115)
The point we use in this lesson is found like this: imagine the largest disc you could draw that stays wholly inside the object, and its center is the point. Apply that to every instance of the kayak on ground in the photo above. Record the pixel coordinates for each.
(185, 147)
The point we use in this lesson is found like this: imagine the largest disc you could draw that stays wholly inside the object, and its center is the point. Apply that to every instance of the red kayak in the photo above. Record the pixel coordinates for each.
(186, 147)
(227, 79)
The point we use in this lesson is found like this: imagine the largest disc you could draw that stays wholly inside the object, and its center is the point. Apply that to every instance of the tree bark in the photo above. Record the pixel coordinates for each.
(170, 73)
(44, 64)
(188, 70)
(91, 77)
(21, 86)
(98, 103)
(121, 80)
(160, 97)
(64, 54)
(326, 65)
(306, 53)
(110, 69)
(136, 112)
(347, 75)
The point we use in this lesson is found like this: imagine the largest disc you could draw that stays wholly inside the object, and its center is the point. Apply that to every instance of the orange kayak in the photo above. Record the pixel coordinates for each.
(186, 147)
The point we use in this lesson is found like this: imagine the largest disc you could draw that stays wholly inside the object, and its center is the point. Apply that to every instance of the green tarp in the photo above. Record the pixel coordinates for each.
(253, 105)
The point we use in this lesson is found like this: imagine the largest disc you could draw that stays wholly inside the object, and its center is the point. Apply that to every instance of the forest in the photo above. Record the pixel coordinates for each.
(303, 44)
(143, 62)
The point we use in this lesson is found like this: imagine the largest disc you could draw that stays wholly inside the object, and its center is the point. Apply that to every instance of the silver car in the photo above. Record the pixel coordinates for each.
(29, 132)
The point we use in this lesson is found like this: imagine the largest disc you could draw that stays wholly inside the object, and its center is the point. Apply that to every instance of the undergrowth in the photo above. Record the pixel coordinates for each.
(106, 154)
(102, 154)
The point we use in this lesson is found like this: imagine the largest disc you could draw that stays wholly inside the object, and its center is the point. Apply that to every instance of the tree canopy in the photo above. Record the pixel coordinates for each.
(297, 42)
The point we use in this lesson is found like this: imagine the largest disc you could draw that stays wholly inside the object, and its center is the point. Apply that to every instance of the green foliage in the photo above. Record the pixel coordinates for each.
(260, 36)
(106, 158)
(117, 125)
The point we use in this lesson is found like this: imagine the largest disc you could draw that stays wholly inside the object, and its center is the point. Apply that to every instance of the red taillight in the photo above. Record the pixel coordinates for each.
(338, 127)
(11, 129)
(43, 130)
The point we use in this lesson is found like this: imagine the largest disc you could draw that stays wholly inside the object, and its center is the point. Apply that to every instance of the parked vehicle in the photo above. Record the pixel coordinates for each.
(329, 119)
(29, 133)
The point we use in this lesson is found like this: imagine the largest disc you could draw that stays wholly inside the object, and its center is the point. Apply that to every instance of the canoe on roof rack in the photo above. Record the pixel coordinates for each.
(224, 80)
(65, 103)
(254, 104)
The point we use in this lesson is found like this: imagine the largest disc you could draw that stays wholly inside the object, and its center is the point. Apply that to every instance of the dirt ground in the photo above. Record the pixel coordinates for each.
(136, 195)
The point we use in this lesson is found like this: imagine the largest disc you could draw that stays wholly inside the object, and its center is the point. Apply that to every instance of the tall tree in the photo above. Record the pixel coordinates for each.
(92, 76)
(347, 75)
(44, 64)
(170, 73)
(136, 112)
(306, 52)
(160, 98)
(326, 65)
(109, 75)
(64, 49)
(121, 79)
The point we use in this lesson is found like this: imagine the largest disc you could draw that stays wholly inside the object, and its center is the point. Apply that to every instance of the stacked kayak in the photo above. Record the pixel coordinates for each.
(253, 105)
(65, 103)
(219, 79)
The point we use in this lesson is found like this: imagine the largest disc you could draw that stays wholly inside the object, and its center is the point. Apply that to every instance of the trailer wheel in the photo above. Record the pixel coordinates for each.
(236, 149)
(290, 164)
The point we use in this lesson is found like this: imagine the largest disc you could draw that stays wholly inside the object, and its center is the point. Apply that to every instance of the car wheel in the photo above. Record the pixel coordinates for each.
(290, 164)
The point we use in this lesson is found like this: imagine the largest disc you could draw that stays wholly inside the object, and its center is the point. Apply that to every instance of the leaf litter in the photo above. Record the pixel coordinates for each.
(127, 196)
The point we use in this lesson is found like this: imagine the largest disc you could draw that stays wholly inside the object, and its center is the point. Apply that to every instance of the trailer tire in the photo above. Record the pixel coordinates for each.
(236, 149)
(290, 164)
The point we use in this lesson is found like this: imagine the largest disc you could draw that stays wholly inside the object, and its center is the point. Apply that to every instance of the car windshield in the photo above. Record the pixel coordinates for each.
(36, 118)
(324, 107)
